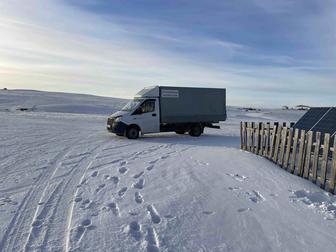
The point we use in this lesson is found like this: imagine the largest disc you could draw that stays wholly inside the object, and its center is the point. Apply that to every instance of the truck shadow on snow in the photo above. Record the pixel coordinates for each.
(204, 140)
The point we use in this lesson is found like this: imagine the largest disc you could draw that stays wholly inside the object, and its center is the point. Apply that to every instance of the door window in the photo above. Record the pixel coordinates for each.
(146, 107)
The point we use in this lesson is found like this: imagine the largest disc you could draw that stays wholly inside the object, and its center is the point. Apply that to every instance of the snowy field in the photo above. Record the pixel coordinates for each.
(66, 184)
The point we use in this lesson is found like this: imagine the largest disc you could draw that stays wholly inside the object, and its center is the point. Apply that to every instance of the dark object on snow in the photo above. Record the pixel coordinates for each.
(22, 109)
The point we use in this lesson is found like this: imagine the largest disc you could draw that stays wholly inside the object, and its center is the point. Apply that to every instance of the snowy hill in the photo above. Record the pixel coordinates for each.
(58, 102)
(66, 184)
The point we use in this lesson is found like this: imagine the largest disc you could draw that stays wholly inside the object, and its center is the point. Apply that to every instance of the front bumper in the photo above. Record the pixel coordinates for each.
(116, 127)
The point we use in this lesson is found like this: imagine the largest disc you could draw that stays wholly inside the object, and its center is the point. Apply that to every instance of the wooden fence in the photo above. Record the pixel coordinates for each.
(310, 155)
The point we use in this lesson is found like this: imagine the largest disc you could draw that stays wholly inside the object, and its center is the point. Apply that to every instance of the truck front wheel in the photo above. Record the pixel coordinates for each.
(132, 132)
(195, 130)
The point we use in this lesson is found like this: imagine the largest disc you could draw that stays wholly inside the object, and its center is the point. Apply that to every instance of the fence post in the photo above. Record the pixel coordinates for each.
(245, 135)
(282, 146)
(267, 139)
(295, 142)
(301, 152)
(316, 157)
(308, 154)
(277, 143)
(262, 139)
(324, 165)
(249, 136)
(288, 148)
(270, 154)
(241, 136)
(257, 137)
(332, 180)
(252, 137)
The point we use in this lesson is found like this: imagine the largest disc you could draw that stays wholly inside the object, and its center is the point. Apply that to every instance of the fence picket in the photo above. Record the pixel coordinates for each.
(272, 142)
(245, 136)
(288, 148)
(308, 154)
(324, 165)
(316, 157)
(262, 139)
(267, 140)
(332, 180)
(277, 143)
(294, 153)
(257, 141)
(282, 146)
(301, 152)
(241, 136)
(248, 129)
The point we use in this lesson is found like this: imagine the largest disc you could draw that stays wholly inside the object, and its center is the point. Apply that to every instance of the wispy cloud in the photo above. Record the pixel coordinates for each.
(59, 46)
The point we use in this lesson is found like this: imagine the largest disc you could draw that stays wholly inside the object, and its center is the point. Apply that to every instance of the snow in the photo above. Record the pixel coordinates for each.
(68, 184)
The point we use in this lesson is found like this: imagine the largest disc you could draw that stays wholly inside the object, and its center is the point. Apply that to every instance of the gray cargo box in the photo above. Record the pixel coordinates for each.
(187, 105)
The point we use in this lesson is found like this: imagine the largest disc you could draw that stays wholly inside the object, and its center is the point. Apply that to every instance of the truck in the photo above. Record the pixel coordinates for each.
(170, 109)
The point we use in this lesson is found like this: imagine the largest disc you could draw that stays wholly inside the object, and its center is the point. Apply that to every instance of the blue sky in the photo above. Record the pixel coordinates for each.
(266, 53)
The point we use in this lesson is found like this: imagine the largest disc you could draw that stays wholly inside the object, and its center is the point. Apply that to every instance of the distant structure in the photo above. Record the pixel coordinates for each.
(285, 107)
(302, 107)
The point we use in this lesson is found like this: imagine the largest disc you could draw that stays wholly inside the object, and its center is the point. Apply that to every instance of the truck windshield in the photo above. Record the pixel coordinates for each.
(132, 105)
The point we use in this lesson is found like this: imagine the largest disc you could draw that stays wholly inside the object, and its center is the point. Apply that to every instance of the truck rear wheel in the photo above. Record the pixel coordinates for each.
(132, 132)
(195, 131)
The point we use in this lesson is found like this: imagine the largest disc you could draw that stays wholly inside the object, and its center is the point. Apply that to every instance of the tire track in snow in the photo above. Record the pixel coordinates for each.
(62, 199)
(68, 232)
(15, 232)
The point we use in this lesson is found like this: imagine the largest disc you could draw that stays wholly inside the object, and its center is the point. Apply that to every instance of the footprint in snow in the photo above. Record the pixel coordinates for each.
(153, 161)
(86, 204)
(100, 187)
(135, 230)
(81, 229)
(208, 212)
(78, 199)
(149, 168)
(138, 197)
(155, 217)
(237, 177)
(122, 191)
(138, 175)
(123, 170)
(114, 208)
(234, 188)
(140, 184)
(255, 196)
(241, 210)
(94, 174)
(115, 179)
(122, 163)
(153, 244)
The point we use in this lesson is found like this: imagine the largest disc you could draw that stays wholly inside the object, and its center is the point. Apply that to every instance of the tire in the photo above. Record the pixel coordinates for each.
(132, 132)
(195, 131)
(180, 132)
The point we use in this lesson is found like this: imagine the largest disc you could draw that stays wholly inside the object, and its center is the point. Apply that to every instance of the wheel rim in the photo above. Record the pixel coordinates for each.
(133, 133)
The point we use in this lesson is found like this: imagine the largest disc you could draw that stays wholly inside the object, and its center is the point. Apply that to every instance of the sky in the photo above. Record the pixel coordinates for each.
(265, 53)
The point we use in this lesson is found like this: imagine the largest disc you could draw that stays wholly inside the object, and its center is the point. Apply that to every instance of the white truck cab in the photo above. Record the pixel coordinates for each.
(154, 110)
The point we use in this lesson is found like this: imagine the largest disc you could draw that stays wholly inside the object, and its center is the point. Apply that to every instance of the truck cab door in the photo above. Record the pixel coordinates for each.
(147, 116)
